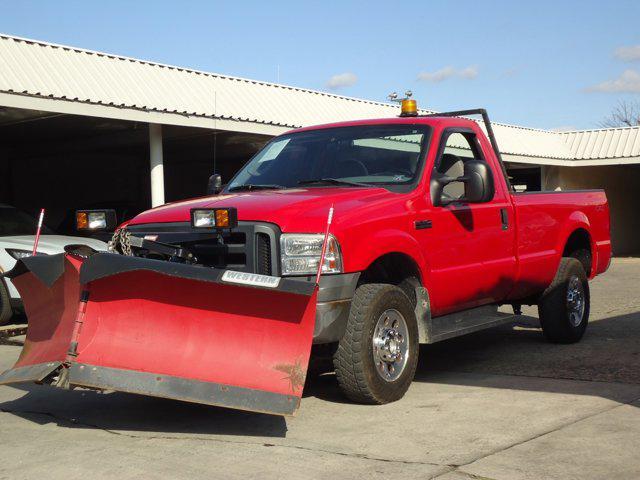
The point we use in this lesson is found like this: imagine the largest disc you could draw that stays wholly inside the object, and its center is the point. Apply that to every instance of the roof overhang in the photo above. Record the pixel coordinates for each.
(71, 107)
(570, 163)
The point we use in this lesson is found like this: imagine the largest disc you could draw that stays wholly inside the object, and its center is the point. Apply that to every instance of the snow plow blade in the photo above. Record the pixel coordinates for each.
(165, 329)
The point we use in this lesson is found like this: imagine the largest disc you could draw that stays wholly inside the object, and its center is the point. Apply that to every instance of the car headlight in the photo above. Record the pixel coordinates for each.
(300, 254)
(18, 254)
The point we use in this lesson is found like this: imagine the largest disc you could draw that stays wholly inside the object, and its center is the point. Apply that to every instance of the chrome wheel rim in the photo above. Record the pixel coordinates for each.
(575, 301)
(390, 345)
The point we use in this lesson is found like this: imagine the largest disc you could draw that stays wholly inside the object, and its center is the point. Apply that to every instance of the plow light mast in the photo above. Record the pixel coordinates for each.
(408, 105)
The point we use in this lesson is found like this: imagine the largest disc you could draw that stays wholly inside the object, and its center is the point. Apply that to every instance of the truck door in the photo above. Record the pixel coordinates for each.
(471, 246)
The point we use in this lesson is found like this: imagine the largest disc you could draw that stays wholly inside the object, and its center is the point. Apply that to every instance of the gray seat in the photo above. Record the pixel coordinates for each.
(452, 166)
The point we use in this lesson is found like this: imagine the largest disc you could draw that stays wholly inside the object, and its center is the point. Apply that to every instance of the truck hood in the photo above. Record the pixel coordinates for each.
(50, 244)
(294, 210)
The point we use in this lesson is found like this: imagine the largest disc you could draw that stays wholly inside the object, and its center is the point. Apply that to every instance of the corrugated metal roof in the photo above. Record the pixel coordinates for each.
(49, 71)
(604, 143)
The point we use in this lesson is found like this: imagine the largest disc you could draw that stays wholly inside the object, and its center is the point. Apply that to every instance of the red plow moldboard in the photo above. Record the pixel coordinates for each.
(165, 329)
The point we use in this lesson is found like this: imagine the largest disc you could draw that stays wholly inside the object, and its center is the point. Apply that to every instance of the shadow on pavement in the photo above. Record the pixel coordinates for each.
(609, 352)
(126, 412)
(508, 357)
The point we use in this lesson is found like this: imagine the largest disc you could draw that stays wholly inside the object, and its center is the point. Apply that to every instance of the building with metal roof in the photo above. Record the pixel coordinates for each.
(56, 90)
(45, 76)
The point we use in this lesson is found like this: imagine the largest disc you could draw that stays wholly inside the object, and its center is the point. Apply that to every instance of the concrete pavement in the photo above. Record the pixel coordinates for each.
(499, 404)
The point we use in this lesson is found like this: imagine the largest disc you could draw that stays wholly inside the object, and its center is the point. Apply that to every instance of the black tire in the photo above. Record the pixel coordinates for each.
(356, 371)
(557, 311)
(5, 304)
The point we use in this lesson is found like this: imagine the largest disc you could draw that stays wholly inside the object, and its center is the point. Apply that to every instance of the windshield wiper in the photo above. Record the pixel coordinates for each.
(253, 186)
(333, 181)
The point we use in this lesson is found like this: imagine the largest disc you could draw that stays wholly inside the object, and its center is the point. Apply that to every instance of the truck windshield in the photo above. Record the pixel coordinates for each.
(386, 155)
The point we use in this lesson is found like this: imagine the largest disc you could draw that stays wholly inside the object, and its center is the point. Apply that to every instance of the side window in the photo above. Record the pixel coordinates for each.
(459, 148)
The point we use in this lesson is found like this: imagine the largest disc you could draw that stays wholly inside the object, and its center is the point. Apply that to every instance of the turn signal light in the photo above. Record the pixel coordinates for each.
(82, 222)
(222, 218)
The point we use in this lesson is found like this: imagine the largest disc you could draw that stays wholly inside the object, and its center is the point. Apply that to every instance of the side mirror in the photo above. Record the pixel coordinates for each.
(214, 186)
(478, 184)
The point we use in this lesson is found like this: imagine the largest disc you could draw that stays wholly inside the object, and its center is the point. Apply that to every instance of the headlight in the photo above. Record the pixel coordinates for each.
(301, 254)
(96, 220)
(204, 219)
(18, 254)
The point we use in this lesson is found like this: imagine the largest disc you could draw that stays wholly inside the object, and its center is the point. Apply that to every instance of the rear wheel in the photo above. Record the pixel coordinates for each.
(378, 354)
(5, 304)
(564, 306)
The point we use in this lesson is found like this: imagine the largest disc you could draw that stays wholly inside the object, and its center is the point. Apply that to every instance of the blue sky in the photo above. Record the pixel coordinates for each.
(547, 64)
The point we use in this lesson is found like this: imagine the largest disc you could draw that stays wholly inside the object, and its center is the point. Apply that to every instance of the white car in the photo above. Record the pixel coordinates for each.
(17, 234)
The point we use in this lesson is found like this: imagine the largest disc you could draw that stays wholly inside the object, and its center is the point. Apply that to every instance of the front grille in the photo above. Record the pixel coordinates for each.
(263, 254)
(250, 247)
(231, 253)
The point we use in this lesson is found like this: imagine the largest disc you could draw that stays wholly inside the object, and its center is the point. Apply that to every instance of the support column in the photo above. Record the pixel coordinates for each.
(156, 164)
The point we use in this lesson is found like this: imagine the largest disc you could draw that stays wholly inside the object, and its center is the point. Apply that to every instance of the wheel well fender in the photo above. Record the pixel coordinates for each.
(398, 246)
(402, 263)
(576, 238)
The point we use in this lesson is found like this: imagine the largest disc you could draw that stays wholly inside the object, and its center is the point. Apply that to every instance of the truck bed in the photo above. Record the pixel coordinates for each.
(545, 220)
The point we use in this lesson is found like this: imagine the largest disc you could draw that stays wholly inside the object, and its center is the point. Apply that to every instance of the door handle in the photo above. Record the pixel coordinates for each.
(422, 224)
(504, 217)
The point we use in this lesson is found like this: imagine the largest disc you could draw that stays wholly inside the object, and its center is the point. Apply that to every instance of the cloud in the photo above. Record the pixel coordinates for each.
(437, 76)
(627, 82)
(627, 54)
(448, 72)
(342, 80)
(469, 73)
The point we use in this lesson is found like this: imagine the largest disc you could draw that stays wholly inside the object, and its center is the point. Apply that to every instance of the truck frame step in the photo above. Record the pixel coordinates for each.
(467, 321)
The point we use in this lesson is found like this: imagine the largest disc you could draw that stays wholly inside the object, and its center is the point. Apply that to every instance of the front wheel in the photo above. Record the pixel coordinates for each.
(377, 357)
(564, 306)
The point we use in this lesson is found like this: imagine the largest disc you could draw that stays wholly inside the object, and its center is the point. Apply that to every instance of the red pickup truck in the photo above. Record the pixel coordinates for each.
(427, 241)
